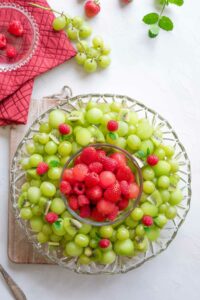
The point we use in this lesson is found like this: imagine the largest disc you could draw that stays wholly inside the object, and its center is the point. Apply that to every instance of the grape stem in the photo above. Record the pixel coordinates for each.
(48, 8)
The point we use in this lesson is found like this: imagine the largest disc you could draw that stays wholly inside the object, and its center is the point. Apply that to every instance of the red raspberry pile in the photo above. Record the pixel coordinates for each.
(99, 186)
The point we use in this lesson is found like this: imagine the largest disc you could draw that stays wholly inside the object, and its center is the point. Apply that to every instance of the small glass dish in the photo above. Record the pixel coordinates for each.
(132, 163)
(26, 44)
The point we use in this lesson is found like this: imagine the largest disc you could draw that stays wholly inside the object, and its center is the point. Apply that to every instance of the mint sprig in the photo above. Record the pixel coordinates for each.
(54, 164)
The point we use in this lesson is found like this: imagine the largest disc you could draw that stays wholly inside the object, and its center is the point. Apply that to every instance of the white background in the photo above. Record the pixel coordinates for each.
(164, 74)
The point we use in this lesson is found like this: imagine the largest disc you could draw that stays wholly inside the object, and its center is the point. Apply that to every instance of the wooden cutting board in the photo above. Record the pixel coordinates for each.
(20, 250)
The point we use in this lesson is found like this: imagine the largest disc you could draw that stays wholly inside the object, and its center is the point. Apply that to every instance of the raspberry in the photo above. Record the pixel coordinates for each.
(64, 129)
(133, 191)
(85, 211)
(80, 171)
(132, 178)
(112, 125)
(113, 193)
(147, 220)
(109, 164)
(106, 179)
(124, 173)
(95, 193)
(95, 215)
(105, 207)
(89, 155)
(91, 179)
(79, 188)
(11, 51)
(42, 168)
(104, 243)
(152, 160)
(3, 41)
(100, 154)
(77, 160)
(68, 175)
(113, 214)
(51, 217)
(96, 167)
(73, 202)
(65, 187)
(83, 200)
(16, 28)
(124, 186)
(120, 158)
(122, 204)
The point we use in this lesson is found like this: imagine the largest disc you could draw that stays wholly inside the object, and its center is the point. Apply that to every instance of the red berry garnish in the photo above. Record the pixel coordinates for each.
(65, 187)
(109, 164)
(120, 158)
(85, 211)
(42, 168)
(91, 179)
(79, 188)
(124, 186)
(16, 28)
(147, 220)
(88, 155)
(11, 51)
(104, 243)
(95, 193)
(112, 125)
(3, 41)
(79, 172)
(122, 204)
(92, 8)
(152, 160)
(107, 179)
(123, 173)
(64, 129)
(51, 217)
(96, 167)
(134, 191)
(113, 193)
(105, 207)
(73, 202)
(83, 200)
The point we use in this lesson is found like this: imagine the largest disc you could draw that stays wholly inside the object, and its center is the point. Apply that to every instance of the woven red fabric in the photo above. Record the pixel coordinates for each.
(16, 86)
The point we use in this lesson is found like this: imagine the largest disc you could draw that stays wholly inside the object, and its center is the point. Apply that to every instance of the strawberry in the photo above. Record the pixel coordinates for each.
(123, 173)
(85, 211)
(97, 216)
(51, 217)
(133, 191)
(91, 179)
(68, 175)
(107, 178)
(104, 243)
(73, 202)
(3, 41)
(16, 28)
(152, 160)
(79, 172)
(88, 155)
(11, 51)
(112, 125)
(94, 193)
(96, 167)
(83, 200)
(113, 214)
(120, 158)
(92, 8)
(109, 164)
(113, 193)
(42, 168)
(126, 1)
(65, 187)
(124, 186)
(79, 188)
(122, 204)
(147, 220)
(105, 207)
(64, 129)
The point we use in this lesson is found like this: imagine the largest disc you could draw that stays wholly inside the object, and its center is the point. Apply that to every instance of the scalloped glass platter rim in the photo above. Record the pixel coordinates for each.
(168, 233)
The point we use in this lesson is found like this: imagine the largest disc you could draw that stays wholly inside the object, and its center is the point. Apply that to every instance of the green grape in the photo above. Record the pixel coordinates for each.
(92, 53)
(165, 195)
(162, 208)
(123, 128)
(33, 194)
(32, 174)
(81, 240)
(94, 115)
(98, 42)
(124, 248)
(105, 50)
(51, 158)
(137, 214)
(110, 139)
(148, 173)
(85, 229)
(104, 61)
(97, 254)
(90, 65)
(156, 198)
(139, 230)
(171, 212)
(130, 222)
(25, 187)
(169, 150)
(65, 214)
(132, 118)
(84, 260)
(44, 127)
(65, 148)
(47, 189)
(56, 117)
(73, 250)
(43, 138)
(148, 187)
(58, 229)
(146, 146)
(35, 182)
(59, 23)
(131, 233)
(106, 231)
(36, 224)
(174, 166)
(160, 153)
(174, 180)
(93, 243)
(76, 147)
(82, 46)
(72, 33)
(149, 209)
(54, 173)
(85, 31)
(115, 106)
(25, 163)
(26, 213)
(64, 160)
(83, 137)
(144, 130)
(57, 206)
(46, 229)
(55, 238)
(42, 238)
(39, 148)
(162, 168)
(163, 182)
(35, 159)
(37, 211)
(153, 233)
(122, 234)
(142, 246)
(121, 142)
(77, 22)
(176, 197)
(131, 129)
(160, 221)
(30, 148)
(133, 142)
(108, 257)
(68, 237)
(80, 58)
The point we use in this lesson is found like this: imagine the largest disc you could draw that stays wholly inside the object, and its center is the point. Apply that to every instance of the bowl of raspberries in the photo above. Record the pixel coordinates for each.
(101, 184)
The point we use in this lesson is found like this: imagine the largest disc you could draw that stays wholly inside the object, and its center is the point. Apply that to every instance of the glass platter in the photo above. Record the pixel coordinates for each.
(168, 233)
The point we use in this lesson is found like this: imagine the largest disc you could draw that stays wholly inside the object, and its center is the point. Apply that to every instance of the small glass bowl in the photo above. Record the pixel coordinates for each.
(131, 161)
(26, 44)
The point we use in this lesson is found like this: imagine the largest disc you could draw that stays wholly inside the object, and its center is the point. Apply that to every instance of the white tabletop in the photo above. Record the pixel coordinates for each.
(164, 74)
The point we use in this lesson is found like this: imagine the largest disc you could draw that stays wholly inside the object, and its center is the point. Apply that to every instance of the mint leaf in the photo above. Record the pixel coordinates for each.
(140, 154)
(153, 31)
(57, 224)
(148, 151)
(151, 18)
(166, 23)
(176, 2)
(112, 136)
(54, 163)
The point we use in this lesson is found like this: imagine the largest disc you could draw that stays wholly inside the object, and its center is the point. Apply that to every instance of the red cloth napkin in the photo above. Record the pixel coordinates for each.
(16, 86)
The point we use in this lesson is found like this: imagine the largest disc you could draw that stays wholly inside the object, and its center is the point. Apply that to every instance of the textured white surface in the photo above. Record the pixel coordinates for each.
(163, 73)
